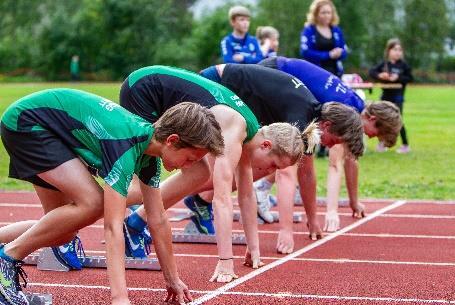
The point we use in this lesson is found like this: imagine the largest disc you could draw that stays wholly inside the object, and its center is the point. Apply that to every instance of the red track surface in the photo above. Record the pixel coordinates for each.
(402, 256)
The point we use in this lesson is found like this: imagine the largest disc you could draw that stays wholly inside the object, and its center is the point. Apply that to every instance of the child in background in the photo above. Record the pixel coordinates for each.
(268, 38)
(239, 47)
(394, 70)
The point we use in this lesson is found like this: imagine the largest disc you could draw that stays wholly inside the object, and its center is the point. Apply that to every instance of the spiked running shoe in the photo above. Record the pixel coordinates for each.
(203, 215)
(67, 254)
(134, 242)
(10, 288)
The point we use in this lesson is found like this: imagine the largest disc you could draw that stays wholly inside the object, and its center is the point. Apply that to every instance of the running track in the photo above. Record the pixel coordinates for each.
(403, 252)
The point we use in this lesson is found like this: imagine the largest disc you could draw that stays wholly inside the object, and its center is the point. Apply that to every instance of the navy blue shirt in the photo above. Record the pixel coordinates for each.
(404, 77)
(248, 47)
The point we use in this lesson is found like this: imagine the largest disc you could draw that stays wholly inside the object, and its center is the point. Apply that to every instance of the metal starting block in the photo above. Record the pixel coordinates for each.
(46, 261)
(183, 214)
(39, 299)
(297, 217)
(191, 235)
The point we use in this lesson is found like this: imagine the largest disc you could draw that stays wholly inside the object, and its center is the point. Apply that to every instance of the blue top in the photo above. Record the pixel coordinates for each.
(309, 51)
(325, 86)
(248, 47)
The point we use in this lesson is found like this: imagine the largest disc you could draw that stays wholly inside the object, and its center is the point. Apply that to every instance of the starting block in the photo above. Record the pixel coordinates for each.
(297, 217)
(46, 261)
(191, 235)
(183, 214)
(39, 299)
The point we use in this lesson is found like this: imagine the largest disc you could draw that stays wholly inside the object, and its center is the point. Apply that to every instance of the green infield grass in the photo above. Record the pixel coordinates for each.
(426, 173)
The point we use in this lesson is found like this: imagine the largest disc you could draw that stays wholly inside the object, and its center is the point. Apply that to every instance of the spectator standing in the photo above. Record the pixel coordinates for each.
(268, 38)
(393, 69)
(322, 42)
(74, 68)
(239, 46)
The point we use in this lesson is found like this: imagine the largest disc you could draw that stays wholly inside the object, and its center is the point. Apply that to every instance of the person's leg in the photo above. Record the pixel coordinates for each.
(404, 148)
(173, 189)
(52, 200)
(12, 231)
(61, 223)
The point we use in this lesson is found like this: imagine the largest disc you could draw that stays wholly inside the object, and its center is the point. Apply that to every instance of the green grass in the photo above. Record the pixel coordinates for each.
(426, 173)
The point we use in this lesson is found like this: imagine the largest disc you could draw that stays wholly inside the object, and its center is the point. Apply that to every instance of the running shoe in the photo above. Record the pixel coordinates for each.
(10, 288)
(404, 149)
(134, 242)
(203, 219)
(262, 198)
(67, 254)
(381, 147)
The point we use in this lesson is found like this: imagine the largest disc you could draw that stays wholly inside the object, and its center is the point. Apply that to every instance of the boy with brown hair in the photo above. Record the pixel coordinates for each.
(379, 119)
(54, 136)
(239, 46)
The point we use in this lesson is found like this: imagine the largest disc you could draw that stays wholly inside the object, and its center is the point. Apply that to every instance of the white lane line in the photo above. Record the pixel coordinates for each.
(264, 294)
(296, 254)
(186, 211)
(420, 216)
(301, 259)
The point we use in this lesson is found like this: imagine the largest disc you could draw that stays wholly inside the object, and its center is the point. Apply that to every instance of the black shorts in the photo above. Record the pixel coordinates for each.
(34, 152)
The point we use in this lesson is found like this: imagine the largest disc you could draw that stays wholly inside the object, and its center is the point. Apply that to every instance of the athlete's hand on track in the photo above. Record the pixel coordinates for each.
(358, 210)
(253, 259)
(315, 230)
(224, 272)
(332, 221)
(285, 242)
(177, 292)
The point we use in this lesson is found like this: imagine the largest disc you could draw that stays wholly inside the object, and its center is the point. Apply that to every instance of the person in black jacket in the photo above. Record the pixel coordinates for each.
(394, 70)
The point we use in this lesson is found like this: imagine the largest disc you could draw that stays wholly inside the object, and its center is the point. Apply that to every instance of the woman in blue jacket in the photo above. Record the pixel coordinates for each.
(321, 40)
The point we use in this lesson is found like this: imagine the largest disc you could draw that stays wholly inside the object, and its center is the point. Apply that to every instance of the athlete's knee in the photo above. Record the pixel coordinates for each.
(92, 205)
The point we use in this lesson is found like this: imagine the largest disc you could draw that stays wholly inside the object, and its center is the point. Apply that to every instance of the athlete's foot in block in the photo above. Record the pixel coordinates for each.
(67, 254)
(332, 221)
(224, 272)
(253, 259)
(358, 210)
(285, 242)
(314, 229)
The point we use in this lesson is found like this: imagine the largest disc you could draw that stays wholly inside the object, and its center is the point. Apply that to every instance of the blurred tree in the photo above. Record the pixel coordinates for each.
(206, 37)
(17, 24)
(367, 26)
(425, 30)
(288, 17)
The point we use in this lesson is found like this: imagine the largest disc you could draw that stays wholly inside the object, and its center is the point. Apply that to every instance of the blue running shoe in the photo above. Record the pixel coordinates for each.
(10, 288)
(203, 219)
(67, 254)
(134, 242)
